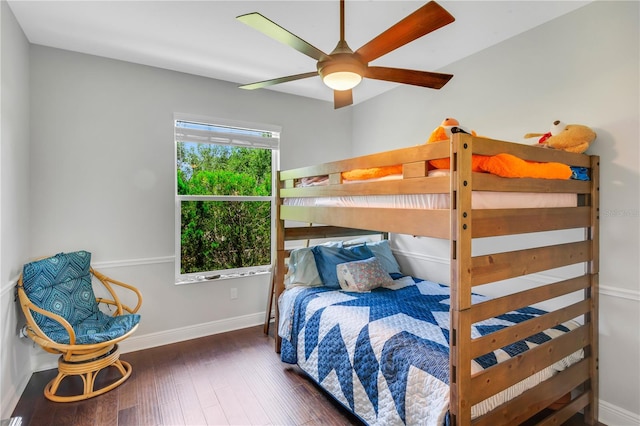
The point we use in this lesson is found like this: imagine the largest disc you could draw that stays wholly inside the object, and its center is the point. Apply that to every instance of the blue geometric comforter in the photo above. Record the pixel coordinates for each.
(385, 354)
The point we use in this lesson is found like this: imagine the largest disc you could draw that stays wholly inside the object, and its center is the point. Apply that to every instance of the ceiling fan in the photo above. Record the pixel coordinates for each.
(343, 68)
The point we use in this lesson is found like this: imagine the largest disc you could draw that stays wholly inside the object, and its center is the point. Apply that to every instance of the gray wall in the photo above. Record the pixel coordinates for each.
(580, 68)
(15, 363)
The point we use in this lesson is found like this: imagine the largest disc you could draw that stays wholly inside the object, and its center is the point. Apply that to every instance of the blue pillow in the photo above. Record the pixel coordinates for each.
(302, 267)
(382, 251)
(328, 258)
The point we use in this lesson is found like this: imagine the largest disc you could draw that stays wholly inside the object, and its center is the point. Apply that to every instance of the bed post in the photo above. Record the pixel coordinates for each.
(278, 273)
(593, 234)
(460, 257)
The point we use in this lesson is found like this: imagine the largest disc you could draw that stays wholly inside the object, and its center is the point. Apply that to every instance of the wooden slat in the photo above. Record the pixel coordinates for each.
(415, 170)
(591, 412)
(499, 222)
(279, 266)
(489, 182)
(522, 330)
(594, 232)
(461, 225)
(316, 232)
(424, 185)
(535, 399)
(501, 266)
(381, 159)
(511, 302)
(433, 223)
(460, 391)
(486, 146)
(461, 235)
(567, 412)
(335, 179)
(507, 373)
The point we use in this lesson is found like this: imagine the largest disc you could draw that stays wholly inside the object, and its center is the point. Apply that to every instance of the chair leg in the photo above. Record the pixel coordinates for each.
(87, 370)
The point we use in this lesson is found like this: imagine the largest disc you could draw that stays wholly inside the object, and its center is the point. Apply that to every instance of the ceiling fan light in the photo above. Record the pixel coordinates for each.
(342, 80)
(342, 72)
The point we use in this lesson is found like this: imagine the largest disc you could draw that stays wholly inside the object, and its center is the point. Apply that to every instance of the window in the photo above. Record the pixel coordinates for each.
(225, 175)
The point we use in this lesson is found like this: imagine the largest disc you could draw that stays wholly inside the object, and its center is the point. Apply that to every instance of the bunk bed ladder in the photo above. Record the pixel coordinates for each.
(272, 292)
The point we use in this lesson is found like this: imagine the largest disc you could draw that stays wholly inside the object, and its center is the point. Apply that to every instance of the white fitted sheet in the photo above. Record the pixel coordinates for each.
(479, 199)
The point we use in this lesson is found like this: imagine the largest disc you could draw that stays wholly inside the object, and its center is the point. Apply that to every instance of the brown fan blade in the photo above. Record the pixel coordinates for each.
(342, 98)
(266, 83)
(428, 18)
(276, 32)
(432, 80)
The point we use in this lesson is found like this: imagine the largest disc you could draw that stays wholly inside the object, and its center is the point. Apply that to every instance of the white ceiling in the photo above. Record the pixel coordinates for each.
(204, 38)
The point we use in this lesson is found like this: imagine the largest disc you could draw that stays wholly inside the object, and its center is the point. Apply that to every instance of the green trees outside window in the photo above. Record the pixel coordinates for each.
(225, 204)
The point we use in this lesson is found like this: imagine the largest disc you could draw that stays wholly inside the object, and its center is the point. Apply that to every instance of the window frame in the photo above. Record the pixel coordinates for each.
(198, 277)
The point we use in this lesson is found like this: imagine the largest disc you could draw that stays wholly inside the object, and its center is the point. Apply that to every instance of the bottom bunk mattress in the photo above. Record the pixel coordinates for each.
(385, 354)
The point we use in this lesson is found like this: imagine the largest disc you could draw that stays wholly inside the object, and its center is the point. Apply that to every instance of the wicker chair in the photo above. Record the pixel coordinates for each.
(63, 316)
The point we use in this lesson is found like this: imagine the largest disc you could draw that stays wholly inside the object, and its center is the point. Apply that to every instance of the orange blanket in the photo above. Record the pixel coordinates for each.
(507, 165)
(374, 172)
(504, 165)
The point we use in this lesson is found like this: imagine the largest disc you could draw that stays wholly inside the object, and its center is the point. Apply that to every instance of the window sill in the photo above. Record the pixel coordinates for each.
(197, 279)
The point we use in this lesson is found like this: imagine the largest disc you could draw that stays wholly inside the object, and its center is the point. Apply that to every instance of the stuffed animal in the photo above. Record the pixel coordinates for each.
(443, 132)
(505, 165)
(567, 137)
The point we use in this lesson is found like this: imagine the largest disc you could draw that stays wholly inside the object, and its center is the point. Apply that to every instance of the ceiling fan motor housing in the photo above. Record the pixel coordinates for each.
(341, 62)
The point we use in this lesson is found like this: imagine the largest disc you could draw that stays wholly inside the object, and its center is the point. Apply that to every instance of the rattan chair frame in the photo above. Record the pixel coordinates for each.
(83, 360)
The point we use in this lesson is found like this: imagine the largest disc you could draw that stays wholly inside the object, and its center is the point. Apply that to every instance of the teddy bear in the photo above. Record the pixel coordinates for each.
(567, 137)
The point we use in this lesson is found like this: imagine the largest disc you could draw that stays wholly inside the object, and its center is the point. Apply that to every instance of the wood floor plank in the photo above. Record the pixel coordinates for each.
(165, 387)
(232, 406)
(65, 414)
(128, 394)
(191, 409)
(148, 412)
(86, 413)
(171, 414)
(107, 409)
(214, 415)
(228, 378)
(129, 417)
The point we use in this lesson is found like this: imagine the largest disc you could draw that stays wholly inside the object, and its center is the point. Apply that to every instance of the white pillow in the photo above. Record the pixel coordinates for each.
(362, 275)
(302, 267)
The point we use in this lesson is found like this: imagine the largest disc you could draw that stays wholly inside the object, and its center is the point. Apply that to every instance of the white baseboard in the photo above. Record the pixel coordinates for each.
(146, 341)
(612, 415)
(45, 361)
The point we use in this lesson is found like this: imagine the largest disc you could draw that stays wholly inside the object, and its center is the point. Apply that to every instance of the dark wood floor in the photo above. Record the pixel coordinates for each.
(230, 378)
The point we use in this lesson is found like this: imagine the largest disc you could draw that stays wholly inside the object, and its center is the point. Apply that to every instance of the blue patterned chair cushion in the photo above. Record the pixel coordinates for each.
(62, 284)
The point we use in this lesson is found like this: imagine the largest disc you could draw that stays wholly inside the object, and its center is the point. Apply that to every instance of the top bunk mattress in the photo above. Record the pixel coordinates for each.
(479, 199)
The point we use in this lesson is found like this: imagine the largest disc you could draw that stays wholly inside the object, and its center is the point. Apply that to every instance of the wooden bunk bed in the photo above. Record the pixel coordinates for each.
(462, 224)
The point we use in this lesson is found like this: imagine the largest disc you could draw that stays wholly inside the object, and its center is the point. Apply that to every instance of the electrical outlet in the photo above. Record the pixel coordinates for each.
(234, 293)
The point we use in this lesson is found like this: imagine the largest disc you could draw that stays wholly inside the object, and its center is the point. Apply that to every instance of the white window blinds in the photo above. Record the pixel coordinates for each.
(234, 134)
